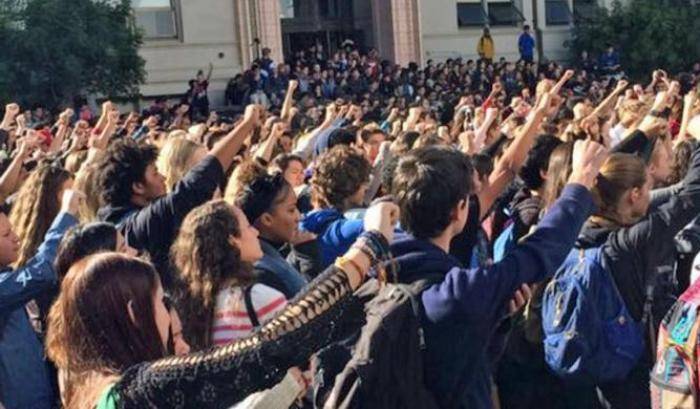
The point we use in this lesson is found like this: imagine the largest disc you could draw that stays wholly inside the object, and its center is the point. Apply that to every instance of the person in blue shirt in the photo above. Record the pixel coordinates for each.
(339, 183)
(25, 380)
(609, 61)
(463, 310)
(526, 45)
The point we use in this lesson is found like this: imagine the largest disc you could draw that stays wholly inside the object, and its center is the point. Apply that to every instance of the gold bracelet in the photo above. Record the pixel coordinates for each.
(341, 261)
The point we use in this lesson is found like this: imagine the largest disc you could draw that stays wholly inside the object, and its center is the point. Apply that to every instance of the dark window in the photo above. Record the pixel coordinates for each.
(558, 12)
(504, 14)
(335, 9)
(288, 8)
(470, 15)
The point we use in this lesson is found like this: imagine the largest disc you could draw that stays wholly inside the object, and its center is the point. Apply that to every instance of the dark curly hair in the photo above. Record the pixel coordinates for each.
(205, 259)
(124, 164)
(338, 175)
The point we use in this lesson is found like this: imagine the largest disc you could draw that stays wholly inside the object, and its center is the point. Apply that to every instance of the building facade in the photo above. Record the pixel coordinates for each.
(185, 36)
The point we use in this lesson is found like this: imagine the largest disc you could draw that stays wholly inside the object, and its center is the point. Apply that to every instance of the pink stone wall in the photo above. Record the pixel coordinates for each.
(397, 29)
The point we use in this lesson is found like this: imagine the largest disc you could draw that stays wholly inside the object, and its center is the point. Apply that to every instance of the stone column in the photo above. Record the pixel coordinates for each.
(243, 29)
(270, 27)
(397, 30)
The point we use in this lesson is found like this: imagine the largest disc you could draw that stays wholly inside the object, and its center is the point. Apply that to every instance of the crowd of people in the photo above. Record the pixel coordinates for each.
(540, 221)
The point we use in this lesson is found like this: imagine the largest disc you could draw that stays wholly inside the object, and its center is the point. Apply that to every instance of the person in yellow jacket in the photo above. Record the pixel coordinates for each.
(485, 47)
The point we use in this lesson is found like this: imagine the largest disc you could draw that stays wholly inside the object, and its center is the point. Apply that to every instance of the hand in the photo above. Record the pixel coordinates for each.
(151, 122)
(301, 237)
(11, 111)
(252, 114)
(331, 112)
(638, 90)
(382, 216)
(621, 85)
(24, 148)
(113, 118)
(569, 74)
(659, 76)
(21, 122)
(133, 117)
(662, 100)
(543, 104)
(65, 116)
(300, 379)
(293, 85)
(278, 129)
(340, 113)
(107, 107)
(520, 298)
(588, 157)
(497, 88)
(71, 201)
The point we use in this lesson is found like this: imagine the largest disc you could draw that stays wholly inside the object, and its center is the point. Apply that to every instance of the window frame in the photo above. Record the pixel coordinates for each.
(484, 15)
(518, 17)
(175, 13)
(569, 13)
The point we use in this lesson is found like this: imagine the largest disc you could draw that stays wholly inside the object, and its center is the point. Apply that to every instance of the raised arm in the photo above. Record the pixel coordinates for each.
(10, 179)
(481, 133)
(63, 127)
(688, 103)
(227, 148)
(609, 102)
(310, 321)
(465, 291)
(508, 165)
(265, 149)
(330, 122)
(556, 89)
(11, 112)
(285, 114)
(37, 276)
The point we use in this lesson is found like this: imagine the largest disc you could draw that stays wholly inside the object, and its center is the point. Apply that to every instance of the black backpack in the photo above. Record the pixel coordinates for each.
(381, 367)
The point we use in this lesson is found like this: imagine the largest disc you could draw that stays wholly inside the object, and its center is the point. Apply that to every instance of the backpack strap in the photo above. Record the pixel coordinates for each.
(247, 298)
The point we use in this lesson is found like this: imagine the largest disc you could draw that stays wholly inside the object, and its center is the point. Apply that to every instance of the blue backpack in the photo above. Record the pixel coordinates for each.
(589, 335)
(504, 243)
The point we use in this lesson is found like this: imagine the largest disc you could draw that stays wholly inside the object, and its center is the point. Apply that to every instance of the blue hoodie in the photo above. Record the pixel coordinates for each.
(462, 312)
(335, 233)
(24, 377)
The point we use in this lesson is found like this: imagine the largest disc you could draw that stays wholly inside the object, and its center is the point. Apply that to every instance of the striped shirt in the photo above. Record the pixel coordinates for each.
(231, 319)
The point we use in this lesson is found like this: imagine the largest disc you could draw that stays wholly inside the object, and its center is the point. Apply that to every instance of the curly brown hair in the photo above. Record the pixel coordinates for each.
(38, 203)
(245, 172)
(205, 259)
(338, 175)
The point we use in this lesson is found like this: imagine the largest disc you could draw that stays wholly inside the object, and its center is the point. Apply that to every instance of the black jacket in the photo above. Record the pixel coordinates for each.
(153, 228)
(635, 254)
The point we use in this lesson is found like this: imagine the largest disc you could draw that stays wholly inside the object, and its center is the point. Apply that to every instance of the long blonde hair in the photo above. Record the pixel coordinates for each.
(38, 203)
(87, 181)
(174, 160)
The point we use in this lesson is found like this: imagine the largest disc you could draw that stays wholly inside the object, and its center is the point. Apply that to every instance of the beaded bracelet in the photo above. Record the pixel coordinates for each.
(376, 247)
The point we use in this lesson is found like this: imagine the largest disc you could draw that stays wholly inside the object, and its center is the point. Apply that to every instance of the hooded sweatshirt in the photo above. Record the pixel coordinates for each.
(462, 312)
(335, 233)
